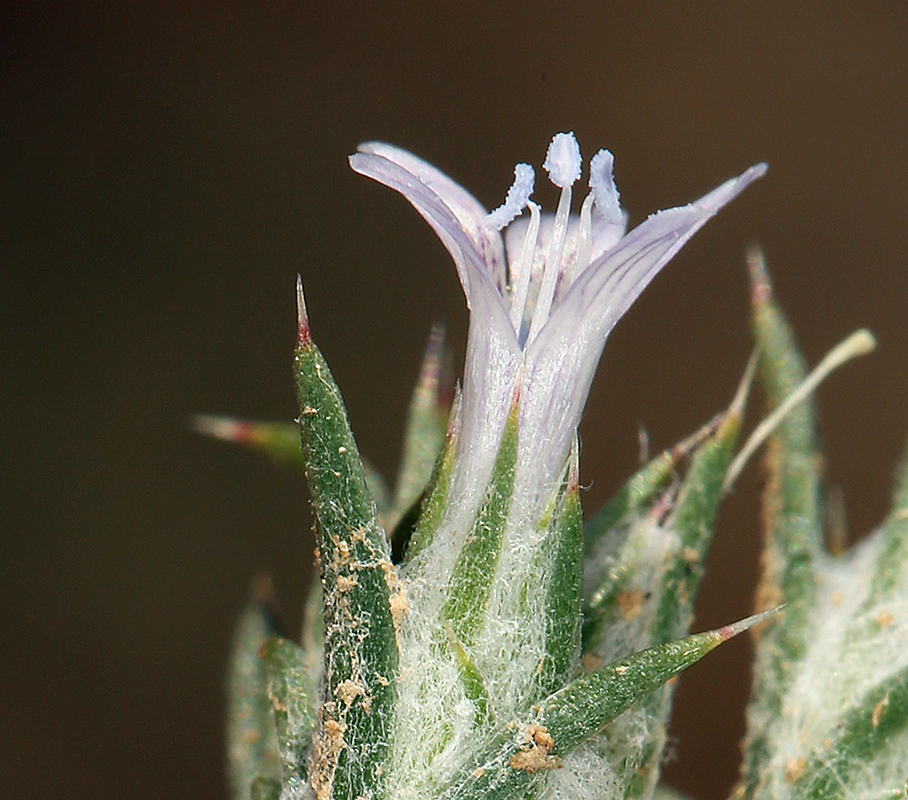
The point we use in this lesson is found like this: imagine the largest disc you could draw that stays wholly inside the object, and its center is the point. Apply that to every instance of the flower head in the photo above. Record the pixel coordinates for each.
(544, 292)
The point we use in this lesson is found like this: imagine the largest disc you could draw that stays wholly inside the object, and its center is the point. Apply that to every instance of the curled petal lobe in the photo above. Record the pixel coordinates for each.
(612, 282)
(454, 214)
(561, 362)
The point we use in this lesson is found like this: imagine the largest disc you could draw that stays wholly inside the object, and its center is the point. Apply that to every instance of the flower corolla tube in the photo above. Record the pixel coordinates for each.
(544, 292)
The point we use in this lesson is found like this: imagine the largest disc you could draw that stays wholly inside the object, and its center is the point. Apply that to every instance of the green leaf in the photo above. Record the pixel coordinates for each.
(251, 738)
(616, 544)
(360, 587)
(432, 506)
(849, 750)
(288, 687)
(473, 683)
(635, 494)
(692, 520)
(894, 552)
(642, 488)
(281, 441)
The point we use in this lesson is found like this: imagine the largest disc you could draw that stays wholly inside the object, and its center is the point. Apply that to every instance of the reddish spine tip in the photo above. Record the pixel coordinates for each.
(226, 428)
(304, 336)
(247, 433)
(729, 631)
(515, 397)
(761, 288)
(573, 477)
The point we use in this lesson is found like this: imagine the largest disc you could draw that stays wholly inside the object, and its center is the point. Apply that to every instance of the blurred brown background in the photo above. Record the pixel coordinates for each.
(168, 168)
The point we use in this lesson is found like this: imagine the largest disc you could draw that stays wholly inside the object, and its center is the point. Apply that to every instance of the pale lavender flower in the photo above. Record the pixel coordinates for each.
(543, 296)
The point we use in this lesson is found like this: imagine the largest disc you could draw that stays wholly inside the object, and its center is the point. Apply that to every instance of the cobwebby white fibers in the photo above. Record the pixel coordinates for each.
(438, 729)
(857, 641)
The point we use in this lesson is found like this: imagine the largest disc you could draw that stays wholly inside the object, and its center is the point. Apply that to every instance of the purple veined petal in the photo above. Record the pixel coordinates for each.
(454, 214)
(561, 362)
(612, 282)
(556, 381)
(491, 368)
(606, 234)
(493, 355)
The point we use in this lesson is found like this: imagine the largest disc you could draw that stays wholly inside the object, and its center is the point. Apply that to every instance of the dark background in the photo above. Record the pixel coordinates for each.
(168, 168)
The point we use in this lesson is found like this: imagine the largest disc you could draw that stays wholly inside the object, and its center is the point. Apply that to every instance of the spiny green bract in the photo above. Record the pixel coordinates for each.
(829, 712)
(398, 690)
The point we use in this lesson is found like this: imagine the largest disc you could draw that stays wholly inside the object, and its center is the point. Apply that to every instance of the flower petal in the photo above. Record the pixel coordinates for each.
(561, 362)
(491, 370)
(493, 354)
(454, 214)
(612, 282)
(605, 235)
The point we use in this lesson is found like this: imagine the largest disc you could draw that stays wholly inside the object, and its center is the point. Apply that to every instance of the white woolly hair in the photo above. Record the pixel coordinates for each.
(645, 547)
(437, 728)
(585, 774)
(857, 642)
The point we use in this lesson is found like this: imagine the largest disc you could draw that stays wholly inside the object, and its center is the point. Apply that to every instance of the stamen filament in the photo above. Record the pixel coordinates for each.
(552, 266)
(585, 244)
(525, 268)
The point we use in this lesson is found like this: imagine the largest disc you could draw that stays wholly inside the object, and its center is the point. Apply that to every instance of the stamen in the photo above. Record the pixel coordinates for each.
(552, 265)
(516, 200)
(585, 243)
(602, 182)
(563, 161)
(525, 268)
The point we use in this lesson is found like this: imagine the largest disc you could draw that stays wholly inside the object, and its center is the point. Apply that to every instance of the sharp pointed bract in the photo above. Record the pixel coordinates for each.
(730, 631)
(304, 336)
